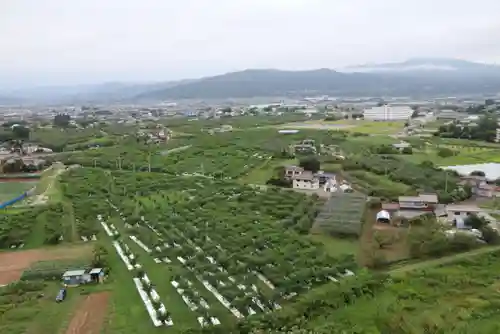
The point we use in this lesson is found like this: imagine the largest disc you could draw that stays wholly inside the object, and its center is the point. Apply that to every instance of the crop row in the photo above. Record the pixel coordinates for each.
(183, 286)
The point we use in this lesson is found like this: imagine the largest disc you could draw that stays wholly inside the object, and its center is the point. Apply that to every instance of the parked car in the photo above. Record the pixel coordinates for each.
(61, 295)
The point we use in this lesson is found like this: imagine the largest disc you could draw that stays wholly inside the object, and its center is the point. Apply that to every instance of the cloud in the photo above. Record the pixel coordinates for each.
(94, 40)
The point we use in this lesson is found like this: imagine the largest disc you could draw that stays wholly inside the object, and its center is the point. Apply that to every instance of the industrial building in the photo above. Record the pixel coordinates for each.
(388, 113)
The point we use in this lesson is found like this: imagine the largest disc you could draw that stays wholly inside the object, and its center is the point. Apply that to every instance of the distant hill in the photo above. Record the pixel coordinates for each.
(438, 66)
(418, 77)
(415, 77)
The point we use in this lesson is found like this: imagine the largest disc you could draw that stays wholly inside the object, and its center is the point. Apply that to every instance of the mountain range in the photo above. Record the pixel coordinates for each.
(415, 77)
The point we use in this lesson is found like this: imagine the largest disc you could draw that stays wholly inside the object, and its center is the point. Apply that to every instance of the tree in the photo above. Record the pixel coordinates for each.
(477, 173)
(445, 152)
(62, 120)
(475, 222)
(99, 254)
(21, 132)
(311, 164)
(407, 150)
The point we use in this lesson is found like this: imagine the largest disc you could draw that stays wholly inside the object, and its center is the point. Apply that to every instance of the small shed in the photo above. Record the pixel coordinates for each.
(97, 275)
(74, 277)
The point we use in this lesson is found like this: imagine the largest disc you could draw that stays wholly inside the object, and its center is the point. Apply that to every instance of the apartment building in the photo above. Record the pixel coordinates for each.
(388, 113)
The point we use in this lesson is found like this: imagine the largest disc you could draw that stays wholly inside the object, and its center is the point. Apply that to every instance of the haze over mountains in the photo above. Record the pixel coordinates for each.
(415, 77)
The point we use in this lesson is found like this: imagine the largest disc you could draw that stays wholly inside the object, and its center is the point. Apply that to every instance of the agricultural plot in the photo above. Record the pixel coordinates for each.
(379, 185)
(342, 214)
(10, 190)
(13, 265)
(228, 251)
(460, 297)
(32, 227)
(29, 307)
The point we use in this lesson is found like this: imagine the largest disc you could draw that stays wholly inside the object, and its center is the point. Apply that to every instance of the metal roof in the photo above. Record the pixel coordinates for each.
(95, 271)
(74, 273)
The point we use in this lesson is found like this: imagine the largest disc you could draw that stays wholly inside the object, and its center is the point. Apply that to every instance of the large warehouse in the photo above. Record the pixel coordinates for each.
(388, 113)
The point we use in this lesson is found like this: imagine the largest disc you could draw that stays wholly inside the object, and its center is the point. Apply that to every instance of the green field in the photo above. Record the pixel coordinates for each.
(361, 126)
(10, 190)
(35, 309)
(460, 297)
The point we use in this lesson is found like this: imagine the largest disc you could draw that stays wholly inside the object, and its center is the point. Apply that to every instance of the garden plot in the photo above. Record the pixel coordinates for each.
(155, 308)
(226, 283)
(223, 281)
(184, 287)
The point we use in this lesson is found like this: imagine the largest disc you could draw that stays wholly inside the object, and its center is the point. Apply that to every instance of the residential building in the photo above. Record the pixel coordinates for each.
(325, 177)
(306, 180)
(401, 146)
(293, 171)
(456, 211)
(388, 113)
(422, 202)
(497, 139)
(451, 115)
(304, 149)
(330, 185)
(480, 186)
(486, 190)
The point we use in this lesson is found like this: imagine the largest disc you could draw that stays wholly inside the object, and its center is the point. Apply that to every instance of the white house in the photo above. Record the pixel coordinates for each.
(306, 180)
(330, 185)
(454, 211)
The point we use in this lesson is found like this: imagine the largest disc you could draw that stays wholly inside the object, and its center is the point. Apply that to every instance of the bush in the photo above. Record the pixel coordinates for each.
(407, 150)
(445, 153)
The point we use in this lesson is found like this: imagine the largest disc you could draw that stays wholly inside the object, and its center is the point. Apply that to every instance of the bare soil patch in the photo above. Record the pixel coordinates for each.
(90, 314)
(12, 264)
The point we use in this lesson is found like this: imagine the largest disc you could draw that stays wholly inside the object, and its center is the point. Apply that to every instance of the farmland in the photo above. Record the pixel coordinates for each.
(250, 259)
(192, 246)
(12, 189)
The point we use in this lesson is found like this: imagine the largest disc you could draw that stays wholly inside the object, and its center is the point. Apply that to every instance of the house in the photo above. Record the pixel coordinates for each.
(75, 277)
(325, 177)
(330, 185)
(306, 180)
(459, 212)
(304, 149)
(292, 171)
(423, 202)
(81, 276)
(480, 187)
(97, 275)
(486, 190)
(401, 146)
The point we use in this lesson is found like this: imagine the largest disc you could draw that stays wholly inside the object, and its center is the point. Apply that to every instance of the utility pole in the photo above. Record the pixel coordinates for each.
(446, 182)
(149, 162)
(95, 162)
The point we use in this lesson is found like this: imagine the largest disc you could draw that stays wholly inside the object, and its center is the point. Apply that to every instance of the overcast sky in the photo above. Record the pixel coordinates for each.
(90, 41)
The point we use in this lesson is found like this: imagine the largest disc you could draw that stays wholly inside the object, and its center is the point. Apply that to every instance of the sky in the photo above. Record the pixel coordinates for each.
(49, 42)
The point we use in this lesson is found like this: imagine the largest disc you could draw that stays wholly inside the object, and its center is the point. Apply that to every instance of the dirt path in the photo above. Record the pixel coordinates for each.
(43, 197)
(90, 315)
(443, 260)
(12, 264)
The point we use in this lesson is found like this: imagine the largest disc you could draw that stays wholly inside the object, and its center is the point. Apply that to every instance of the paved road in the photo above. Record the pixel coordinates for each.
(444, 260)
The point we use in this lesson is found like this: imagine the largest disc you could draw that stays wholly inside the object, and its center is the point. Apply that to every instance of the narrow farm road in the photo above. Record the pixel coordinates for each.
(444, 260)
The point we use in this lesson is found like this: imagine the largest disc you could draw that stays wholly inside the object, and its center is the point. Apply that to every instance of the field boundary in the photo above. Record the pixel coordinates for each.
(401, 269)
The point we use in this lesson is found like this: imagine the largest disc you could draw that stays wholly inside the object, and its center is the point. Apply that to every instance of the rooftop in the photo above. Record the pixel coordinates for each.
(95, 271)
(463, 208)
(305, 176)
(294, 168)
(79, 272)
